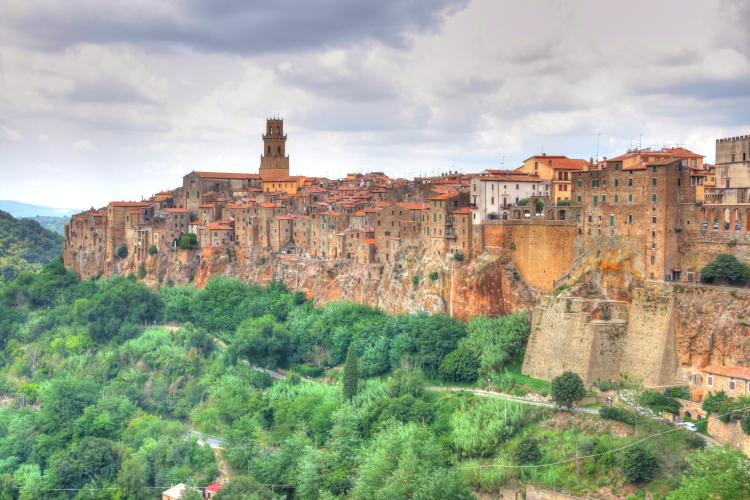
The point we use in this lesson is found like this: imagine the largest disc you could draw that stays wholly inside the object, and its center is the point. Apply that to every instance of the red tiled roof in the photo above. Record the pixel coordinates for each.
(561, 162)
(368, 240)
(269, 205)
(465, 210)
(288, 178)
(729, 371)
(225, 175)
(178, 210)
(286, 217)
(217, 226)
(214, 487)
(444, 196)
(208, 205)
(682, 153)
(415, 206)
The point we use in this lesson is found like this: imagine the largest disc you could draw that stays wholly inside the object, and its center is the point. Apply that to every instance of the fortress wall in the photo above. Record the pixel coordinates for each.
(651, 351)
(543, 253)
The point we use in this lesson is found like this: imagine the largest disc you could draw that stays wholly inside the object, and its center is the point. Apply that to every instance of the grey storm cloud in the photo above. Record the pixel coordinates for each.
(235, 26)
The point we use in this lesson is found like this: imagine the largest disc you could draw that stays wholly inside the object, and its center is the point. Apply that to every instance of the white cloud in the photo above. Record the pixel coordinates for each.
(84, 145)
(13, 135)
(43, 138)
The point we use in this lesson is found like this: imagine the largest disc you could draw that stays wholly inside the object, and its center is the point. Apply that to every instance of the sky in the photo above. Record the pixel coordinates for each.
(104, 101)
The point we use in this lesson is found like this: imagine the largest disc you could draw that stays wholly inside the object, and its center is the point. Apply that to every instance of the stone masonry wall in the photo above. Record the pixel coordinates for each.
(731, 433)
(543, 252)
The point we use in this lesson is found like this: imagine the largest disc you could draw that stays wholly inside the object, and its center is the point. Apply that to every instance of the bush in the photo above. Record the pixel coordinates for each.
(308, 371)
(433, 276)
(152, 250)
(523, 202)
(745, 423)
(724, 266)
(528, 452)
(657, 402)
(617, 414)
(458, 256)
(606, 385)
(567, 389)
(415, 281)
(460, 366)
(141, 272)
(639, 465)
(122, 252)
(188, 241)
(678, 392)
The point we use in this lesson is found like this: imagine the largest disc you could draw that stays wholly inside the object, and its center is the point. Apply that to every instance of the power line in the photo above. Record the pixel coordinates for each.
(590, 456)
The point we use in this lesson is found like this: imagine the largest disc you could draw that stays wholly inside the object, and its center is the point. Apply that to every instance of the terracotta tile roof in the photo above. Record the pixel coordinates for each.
(139, 212)
(164, 192)
(729, 371)
(218, 226)
(682, 153)
(368, 240)
(561, 162)
(286, 217)
(465, 210)
(444, 196)
(269, 205)
(226, 175)
(381, 204)
(195, 223)
(415, 206)
(177, 210)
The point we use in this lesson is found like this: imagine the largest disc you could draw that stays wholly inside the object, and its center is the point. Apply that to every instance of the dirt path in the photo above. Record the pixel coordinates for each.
(225, 473)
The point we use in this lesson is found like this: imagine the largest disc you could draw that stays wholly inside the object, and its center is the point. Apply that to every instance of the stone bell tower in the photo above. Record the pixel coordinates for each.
(274, 162)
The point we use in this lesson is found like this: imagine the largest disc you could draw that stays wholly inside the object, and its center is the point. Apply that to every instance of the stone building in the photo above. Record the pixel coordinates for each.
(733, 168)
(494, 196)
(274, 162)
(557, 169)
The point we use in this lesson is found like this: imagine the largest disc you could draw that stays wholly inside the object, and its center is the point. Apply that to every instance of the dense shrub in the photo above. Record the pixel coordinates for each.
(657, 402)
(724, 266)
(308, 371)
(618, 414)
(527, 452)
(188, 241)
(460, 366)
(122, 252)
(152, 250)
(567, 389)
(639, 465)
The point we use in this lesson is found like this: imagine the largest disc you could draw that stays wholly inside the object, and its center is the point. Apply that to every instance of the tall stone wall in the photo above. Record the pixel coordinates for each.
(543, 252)
(729, 433)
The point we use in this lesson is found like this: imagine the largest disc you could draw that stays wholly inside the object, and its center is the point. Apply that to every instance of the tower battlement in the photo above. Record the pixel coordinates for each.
(274, 162)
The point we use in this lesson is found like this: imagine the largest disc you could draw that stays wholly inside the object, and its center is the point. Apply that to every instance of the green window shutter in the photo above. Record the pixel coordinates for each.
(596, 200)
(579, 196)
(579, 182)
(630, 197)
(434, 217)
(617, 198)
(611, 221)
(653, 197)
(604, 198)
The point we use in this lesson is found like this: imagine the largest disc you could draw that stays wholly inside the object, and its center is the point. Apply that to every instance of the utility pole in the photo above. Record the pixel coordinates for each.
(597, 147)
(578, 469)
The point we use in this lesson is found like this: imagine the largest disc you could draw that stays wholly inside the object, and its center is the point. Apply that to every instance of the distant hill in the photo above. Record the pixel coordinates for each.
(54, 224)
(25, 246)
(18, 209)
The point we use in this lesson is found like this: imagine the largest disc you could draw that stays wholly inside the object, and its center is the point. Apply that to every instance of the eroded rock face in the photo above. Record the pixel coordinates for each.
(489, 285)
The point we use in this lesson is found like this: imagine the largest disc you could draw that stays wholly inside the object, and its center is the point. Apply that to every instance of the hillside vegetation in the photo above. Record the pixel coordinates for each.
(101, 396)
(25, 246)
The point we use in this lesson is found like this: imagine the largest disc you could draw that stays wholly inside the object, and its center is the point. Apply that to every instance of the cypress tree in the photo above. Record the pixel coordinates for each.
(351, 373)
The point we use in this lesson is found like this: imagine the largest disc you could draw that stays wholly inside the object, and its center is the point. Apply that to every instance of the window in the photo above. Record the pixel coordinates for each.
(653, 219)
(732, 157)
(653, 245)
(604, 198)
(596, 201)
(579, 198)
(653, 234)
(536, 165)
(653, 181)
(630, 219)
(617, 166)
(653, 197)
(630, 197)
(604, 183)
(611, 221)
(653, 260)
(591, 218)
(617, 198)
(617, 182)
(579, 182)
(630, 182)
(732, 385)
(595, 183)
(653, 169)
(710, 380)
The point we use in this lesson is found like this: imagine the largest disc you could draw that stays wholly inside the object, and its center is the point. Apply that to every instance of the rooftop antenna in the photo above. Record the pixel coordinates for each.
(597, 147)
(503, 162)
(639, 141)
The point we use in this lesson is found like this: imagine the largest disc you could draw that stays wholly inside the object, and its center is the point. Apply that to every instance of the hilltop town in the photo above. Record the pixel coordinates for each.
(660, 206)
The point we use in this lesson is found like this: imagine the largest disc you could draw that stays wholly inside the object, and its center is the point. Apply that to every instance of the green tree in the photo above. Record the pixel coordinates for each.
(639, 465)
(458, 256)
(527, 451)
(262, 342)
(723, 266)
(188, 241)
(152, 250)
(122, 252)
(460, 366)
(351, 373)
(406, 461)
(191, 492)
(717, 472)
(141, 272)
(567, 389)
(495, 341)
(133, 478)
